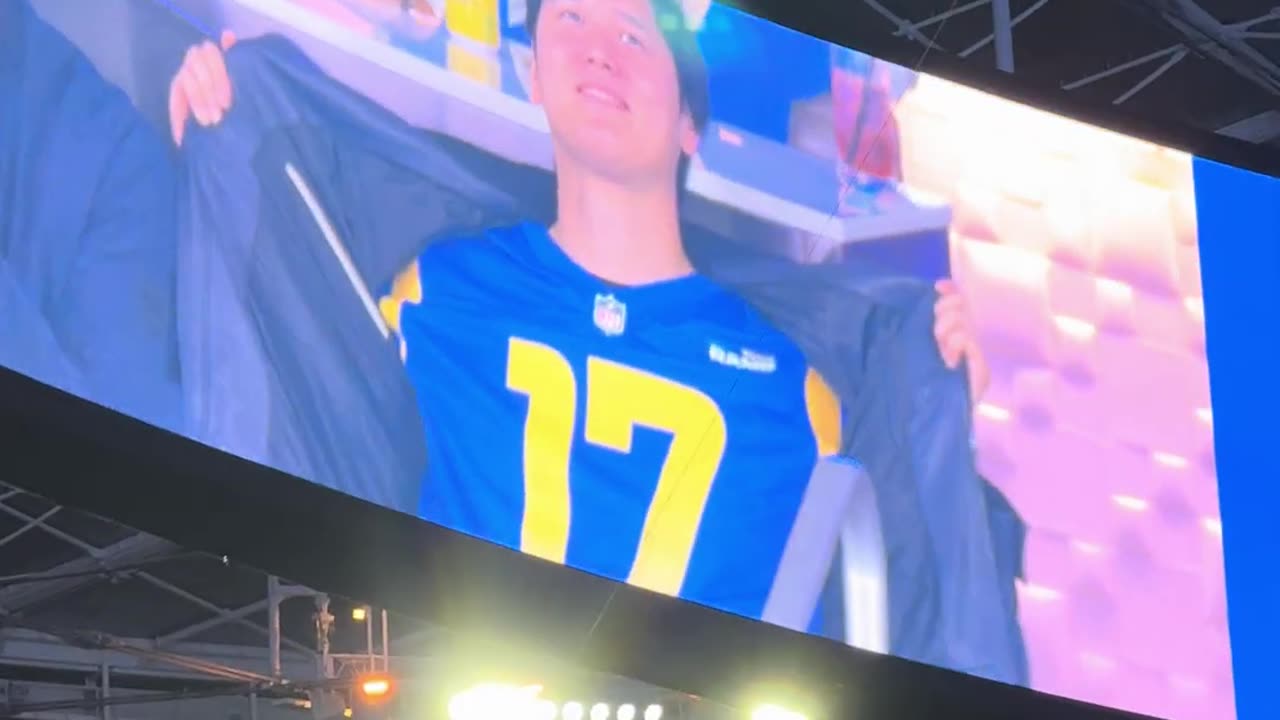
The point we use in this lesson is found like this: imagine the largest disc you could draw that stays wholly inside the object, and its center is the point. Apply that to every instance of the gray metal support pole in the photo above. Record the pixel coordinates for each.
(324, 626)
(368, 631)
(253, 706)
(386, 644)
(104, 691)
(1002, 30)
(273, 623)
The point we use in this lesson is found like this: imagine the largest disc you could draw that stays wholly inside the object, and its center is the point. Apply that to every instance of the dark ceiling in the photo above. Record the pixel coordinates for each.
(1176, 70)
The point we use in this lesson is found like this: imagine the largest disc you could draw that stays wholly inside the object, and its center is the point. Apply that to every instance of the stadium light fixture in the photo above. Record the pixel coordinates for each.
(495, 701)
(600, 711)
(775, 712)
(360, 613)
(545, 710)
(375, 688)
(653, 712)
(571, 711)
(627, 712)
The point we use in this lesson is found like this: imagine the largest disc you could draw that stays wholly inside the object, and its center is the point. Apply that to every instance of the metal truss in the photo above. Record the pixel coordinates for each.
(23, 594)
(1205, 35)
(278, 669)
(126, 556)
(1003, 23)
(1237, 45)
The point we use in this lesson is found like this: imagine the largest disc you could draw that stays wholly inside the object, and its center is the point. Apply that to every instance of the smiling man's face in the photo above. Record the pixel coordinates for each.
(607, 80)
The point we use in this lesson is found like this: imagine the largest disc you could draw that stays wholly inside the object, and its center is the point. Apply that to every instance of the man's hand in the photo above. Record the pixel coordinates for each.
(201, 88)
(957, 338)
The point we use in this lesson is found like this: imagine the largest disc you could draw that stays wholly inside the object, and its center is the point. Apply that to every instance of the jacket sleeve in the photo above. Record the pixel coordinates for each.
(31, 347)
(117, 315)
(95, 202)
(950, 595)
(296, 212)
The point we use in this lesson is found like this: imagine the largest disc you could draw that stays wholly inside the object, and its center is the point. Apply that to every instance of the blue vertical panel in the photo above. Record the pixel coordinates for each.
(1239, 223)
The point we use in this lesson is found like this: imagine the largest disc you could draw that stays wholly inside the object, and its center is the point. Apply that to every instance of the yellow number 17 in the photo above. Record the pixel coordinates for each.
(618, 399)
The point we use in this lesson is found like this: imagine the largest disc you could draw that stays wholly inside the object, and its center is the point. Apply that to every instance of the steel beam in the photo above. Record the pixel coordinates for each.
(1152, 76)
(1002, 32)
(98, 557)
(29, 648)
(1122, 67)
(219, 611)
(273, 623)
(77, 573)
(1261, 128)
(100, 554)
(104, 691)
(29, 526)
(205, 625)
(902, 25)
(1017, 19)
(941, 17)
(1224, 42)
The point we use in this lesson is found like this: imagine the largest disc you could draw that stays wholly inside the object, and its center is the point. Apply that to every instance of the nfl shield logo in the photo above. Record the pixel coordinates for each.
(610, 315)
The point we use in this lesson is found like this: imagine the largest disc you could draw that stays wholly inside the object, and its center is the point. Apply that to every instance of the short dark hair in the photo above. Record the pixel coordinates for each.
(691, 67)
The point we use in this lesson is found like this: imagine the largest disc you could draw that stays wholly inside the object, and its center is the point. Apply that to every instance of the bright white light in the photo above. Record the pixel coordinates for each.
(1075, 327)
(1205, 415)
(1120, 292)
(492, 700)
(653, 712)
(1011, 263)
(627, 712)
(1040, 592)
(545, 710)
(1129, 502)
(462, 706)
(773, 712)
(1169, 460)
(1213, 526)
(993, 412)
(600, 711)
(572, 711)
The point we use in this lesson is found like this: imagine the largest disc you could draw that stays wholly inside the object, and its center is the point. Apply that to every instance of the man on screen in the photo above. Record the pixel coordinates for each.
(588, 395)
(86, 228)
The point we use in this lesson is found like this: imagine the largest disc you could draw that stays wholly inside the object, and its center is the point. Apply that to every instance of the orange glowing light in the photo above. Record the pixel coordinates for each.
(376, 687)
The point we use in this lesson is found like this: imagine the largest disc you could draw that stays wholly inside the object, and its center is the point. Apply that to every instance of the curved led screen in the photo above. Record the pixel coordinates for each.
(822, 342)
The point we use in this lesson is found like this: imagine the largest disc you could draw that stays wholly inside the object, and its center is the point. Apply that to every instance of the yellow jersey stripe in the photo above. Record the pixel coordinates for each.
(824, 413)
(407, 288)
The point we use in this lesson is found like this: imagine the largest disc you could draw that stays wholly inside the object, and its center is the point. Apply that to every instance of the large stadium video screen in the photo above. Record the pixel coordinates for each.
(824, 342)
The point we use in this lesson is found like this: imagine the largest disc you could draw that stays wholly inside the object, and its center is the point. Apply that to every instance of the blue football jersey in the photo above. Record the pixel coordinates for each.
(662, 434)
